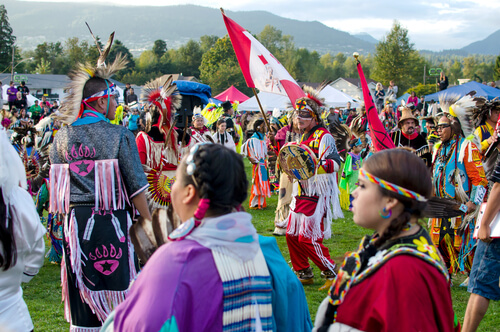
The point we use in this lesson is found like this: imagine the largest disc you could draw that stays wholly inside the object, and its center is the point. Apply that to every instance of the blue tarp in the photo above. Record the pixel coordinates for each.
(202, 91)
(215, 101)
(462, 90)
(403, 97)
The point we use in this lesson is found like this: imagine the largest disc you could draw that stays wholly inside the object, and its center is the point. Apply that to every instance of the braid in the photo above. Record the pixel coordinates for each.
(224, 187)
(225, 136)
(202, 175)
(394, 229)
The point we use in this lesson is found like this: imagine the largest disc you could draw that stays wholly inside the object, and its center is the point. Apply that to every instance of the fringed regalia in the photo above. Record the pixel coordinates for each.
(159, 149)
(95, 173)
(283, 136)
(349, 178)
(457, 174)
(314, 205)
(256, 147)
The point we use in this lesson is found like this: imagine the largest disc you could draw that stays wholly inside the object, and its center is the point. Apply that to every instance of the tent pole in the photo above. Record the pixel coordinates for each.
(261, 109)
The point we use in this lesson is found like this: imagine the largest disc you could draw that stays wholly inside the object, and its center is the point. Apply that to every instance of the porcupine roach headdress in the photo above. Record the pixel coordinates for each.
(162, 97)
(72, 107)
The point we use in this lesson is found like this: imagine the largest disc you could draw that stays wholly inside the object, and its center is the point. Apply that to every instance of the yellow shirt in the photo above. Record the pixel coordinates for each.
(479, 133)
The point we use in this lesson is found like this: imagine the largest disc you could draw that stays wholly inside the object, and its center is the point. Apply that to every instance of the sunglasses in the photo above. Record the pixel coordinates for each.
(442, 126)
(303, 114)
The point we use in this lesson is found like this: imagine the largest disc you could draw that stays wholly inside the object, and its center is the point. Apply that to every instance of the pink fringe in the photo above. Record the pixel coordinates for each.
(64, 286)
(107, 179)
(59, 188)
(102, 303)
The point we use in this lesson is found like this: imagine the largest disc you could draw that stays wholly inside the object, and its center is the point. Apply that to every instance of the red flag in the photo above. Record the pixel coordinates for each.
(380, 137)
(260, 68)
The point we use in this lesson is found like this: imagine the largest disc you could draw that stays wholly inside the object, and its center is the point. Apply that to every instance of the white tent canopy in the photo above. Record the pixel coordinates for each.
(29, 98)
(269, 102)
(336, 98)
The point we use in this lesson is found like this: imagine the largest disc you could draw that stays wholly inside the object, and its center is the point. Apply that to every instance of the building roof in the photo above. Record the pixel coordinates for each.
(179, 77)
(42, 81)
(355, 81)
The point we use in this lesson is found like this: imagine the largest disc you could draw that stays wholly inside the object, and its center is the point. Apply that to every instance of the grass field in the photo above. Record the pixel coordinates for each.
(43, 293)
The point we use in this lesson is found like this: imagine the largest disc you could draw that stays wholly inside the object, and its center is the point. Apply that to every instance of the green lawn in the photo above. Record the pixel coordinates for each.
(43, 293)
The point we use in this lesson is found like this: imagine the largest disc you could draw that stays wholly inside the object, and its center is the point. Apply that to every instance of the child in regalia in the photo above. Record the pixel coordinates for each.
(353, 162)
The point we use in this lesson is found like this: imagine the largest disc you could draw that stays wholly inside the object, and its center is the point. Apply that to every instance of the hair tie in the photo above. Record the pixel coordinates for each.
(203, 206)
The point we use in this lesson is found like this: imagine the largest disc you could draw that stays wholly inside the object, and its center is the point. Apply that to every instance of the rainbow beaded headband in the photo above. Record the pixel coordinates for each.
(391, 186)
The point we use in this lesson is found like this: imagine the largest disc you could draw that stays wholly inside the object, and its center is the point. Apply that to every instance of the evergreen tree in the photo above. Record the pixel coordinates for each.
(397, 60)
(159, 48)
(119, 48)
(7, 39)
(496, 70)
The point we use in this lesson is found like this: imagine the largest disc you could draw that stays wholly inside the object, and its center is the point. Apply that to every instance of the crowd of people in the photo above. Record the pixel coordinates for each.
(131, 188)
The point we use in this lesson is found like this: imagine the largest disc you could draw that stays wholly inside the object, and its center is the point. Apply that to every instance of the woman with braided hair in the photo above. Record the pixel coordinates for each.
(222, 137)
(398, 263)
(216, 273)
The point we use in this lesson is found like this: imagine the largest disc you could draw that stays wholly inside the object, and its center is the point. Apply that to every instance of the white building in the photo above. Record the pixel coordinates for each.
(352, 86)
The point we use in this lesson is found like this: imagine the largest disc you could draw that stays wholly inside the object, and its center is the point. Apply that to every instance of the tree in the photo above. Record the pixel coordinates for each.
(220, 69)
(7, 39)
(207, 42)
(271, 38)
(119, 48)
(189, 57)
(43, 67)
(455, 72)
(159, 48)
(48, 52)
(397, 60)
(147, 62)
(422, 90)
(469, 68)
(496, 70)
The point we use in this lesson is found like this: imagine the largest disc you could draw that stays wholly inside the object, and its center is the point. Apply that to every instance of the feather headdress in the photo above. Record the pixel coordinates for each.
(71, 107)
(484, 108)
(446, 100)
(312, 100)
(197, 115)
(463, 110)
(161, 95)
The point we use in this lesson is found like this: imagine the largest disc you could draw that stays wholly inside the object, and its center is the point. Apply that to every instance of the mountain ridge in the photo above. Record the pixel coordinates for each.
(139, 28)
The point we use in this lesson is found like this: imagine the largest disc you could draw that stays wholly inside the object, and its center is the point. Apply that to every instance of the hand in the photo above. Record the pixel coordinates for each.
(484, 233)
(253, 160)
(471, 207)
(493, 138)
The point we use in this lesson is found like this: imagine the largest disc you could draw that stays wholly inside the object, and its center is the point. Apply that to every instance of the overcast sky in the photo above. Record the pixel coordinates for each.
(433, 25)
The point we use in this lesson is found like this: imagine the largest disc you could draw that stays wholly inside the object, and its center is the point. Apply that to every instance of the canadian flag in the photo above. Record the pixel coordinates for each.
(260, 68)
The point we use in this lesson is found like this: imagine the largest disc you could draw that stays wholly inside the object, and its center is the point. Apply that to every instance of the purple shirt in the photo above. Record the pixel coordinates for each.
(180, 280)
(11, 93)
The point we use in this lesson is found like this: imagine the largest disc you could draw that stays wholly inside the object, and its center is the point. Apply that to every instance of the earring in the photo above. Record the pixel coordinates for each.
(385, 214)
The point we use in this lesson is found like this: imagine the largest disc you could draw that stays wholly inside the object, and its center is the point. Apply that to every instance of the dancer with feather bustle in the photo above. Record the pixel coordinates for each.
(159, 148)
(457, 174)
